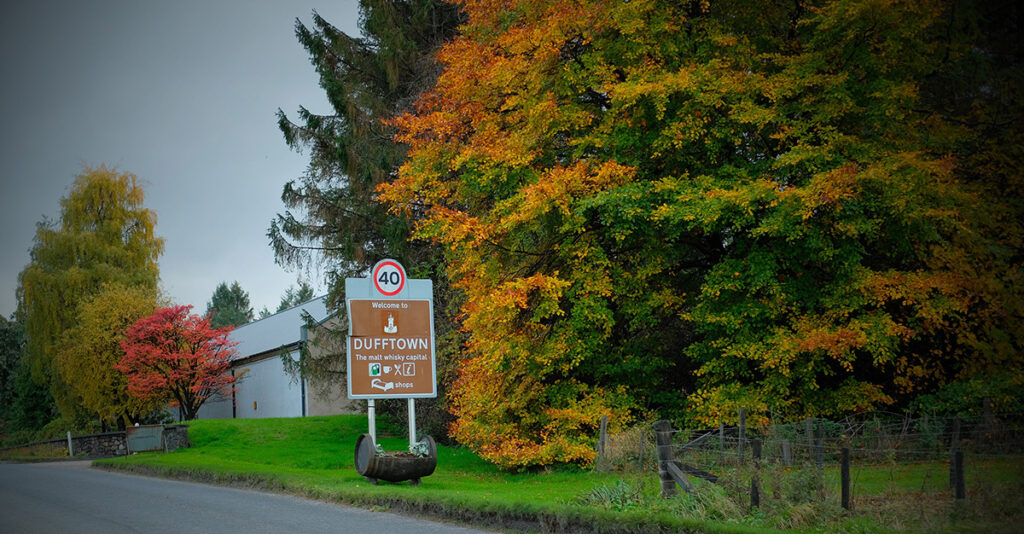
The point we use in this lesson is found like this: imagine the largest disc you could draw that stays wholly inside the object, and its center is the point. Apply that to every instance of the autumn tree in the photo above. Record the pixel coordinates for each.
(229, 306)
(172, 356)
(687, 207)
(104, 235)
(92, 347)
(332, 220)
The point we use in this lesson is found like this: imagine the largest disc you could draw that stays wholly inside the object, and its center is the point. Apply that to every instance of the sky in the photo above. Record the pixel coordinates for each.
(182, 94)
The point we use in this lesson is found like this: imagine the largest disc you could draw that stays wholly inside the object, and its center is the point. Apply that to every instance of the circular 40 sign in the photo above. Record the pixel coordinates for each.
(388, 277)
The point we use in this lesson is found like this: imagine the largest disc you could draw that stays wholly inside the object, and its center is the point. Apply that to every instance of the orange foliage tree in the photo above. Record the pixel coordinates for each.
(687, 207)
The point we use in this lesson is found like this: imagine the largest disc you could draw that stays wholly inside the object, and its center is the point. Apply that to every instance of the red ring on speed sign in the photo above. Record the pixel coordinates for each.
(389, 281)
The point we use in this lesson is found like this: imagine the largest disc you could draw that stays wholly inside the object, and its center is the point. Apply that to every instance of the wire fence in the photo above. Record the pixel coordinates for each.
(902, 470)
(871, 438)
(875, 437)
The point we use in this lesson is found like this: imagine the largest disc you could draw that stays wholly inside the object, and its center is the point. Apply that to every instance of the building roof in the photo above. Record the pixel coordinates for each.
(278, 330)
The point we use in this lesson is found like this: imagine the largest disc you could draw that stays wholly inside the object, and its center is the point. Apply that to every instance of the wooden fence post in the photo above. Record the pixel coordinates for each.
(787, 453)
(954, 445)
(845, 477)
(960, 490)
(742, 432)
(663, 439)
(670, 472)
(643, 443)
(819, 445)
(602, 440)
(755, 483)
(721, 442)
(809, 432)
(988, 428)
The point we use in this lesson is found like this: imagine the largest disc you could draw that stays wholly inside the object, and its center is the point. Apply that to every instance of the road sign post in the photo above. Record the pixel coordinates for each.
(391, 339)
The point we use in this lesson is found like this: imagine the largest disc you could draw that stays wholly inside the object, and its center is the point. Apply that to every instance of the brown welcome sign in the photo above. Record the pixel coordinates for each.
(390, 349)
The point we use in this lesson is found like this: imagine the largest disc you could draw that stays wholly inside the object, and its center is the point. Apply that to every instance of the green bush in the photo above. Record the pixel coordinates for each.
(1005, 394)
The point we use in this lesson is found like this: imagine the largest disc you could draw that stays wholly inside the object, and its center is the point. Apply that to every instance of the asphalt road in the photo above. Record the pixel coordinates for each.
(68, 497)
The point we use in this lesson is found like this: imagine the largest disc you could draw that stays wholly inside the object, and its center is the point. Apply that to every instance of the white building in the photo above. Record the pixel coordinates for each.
(264, 388)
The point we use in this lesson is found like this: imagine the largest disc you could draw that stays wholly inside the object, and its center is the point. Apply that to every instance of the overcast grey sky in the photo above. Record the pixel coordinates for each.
(183, 94)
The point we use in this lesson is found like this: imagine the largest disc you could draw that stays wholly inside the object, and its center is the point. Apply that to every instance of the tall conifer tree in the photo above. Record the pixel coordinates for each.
(229, 306)
(332, 216)
(333, 219)
(293, 296)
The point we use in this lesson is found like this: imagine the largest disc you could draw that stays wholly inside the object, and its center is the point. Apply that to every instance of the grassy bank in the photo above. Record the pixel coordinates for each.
(314, 457)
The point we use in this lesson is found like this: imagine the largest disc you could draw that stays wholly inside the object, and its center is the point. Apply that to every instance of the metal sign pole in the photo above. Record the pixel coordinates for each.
(412, 423)
(372, 416)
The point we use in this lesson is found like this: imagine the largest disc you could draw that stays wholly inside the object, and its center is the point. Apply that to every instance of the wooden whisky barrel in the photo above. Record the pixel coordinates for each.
(394, 466)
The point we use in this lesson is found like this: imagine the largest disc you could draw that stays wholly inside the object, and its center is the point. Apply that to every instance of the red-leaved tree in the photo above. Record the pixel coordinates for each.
(178, 357)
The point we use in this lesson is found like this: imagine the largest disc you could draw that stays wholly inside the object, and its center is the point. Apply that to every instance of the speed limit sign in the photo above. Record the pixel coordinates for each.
(388, 277)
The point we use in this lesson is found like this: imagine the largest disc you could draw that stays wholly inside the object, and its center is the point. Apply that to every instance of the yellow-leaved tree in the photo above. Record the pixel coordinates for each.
(104, 235)
(91, 348)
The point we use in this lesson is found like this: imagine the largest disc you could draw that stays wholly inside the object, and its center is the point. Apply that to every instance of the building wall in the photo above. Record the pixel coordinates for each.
(331, 399)
(329, 396)
(214, 408)
(267, 390)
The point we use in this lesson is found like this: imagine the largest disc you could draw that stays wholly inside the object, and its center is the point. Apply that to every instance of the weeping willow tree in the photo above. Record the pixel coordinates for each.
(103, 235)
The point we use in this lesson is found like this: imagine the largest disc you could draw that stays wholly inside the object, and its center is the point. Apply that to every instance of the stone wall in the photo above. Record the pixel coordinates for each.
(107, 444)
(100, 445)
(176, 437)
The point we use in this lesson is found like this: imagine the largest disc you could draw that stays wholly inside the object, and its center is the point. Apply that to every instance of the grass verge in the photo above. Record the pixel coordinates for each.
(313, 457)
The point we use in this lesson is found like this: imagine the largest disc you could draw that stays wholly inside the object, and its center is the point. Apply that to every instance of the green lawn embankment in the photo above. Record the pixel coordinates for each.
(313, 457)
